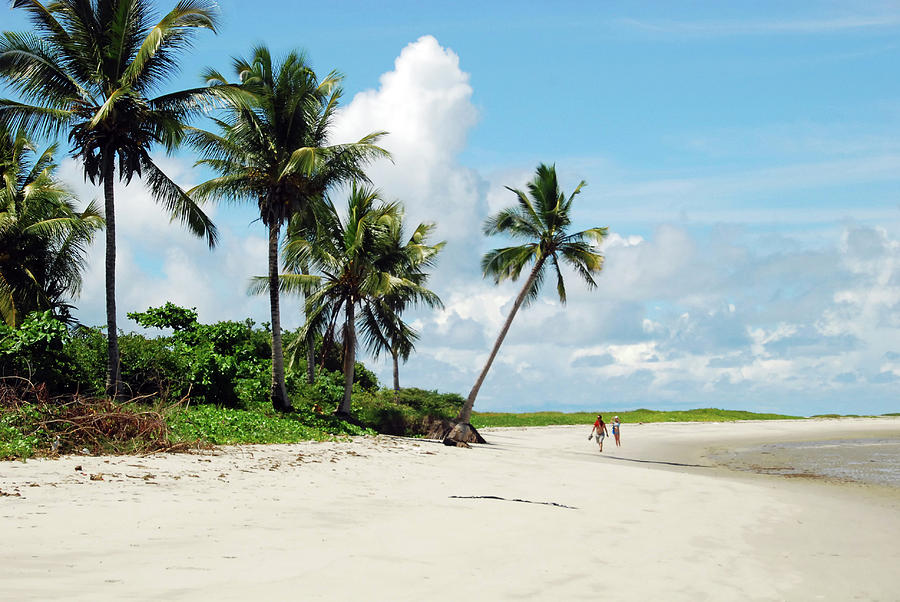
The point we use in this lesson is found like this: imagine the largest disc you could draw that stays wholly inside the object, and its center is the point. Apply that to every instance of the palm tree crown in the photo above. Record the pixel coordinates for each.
(409, 258)
(42, 236)
(92, 69)
(540, 219)
(362, 266)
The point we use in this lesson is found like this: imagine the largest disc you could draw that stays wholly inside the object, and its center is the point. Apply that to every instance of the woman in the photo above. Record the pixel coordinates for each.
(600, 429)
(617, 430)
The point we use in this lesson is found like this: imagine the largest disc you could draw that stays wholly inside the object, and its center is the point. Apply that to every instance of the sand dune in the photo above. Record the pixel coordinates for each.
(538, 514)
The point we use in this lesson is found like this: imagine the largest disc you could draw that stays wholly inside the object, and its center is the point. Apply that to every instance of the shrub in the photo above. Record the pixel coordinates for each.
(87, 349)
(410, 413)
(432, 403)
(364, 377)
(36, 351)
(153, 367)
(224, 363)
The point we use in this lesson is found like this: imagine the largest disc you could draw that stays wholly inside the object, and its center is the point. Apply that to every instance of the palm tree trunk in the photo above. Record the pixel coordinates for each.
(310, 345)
(465, 414)
(113, 375)
(349, 358)
(394, 356)
(280, 399)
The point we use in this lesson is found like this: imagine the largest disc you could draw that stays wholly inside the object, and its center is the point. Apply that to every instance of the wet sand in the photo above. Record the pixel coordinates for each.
(538, 514)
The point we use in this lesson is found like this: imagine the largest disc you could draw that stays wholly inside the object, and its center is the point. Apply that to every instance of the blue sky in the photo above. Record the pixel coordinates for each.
(745, 156)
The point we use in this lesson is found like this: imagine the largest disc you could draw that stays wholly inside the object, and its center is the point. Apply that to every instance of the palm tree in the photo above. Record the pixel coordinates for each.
(359, 265)
(90, 67)
(387, 331)
(541, 219)
(272, 148)
(303, 225)
(42, 236)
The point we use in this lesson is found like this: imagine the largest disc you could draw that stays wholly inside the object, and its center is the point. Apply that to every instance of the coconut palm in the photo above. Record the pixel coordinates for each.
(302, 225)
(385, 328)
(541, 219)
(42, 237)
(358, 259)
(272, 149)
(91, 68)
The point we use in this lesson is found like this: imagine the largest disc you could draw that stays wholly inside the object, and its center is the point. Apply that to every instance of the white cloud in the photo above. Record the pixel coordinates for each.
(425, 105)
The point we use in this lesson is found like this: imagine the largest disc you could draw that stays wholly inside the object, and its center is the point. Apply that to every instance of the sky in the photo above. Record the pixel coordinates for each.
(745, 157)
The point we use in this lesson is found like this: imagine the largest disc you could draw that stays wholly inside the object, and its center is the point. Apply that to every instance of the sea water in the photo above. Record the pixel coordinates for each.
(872, 461)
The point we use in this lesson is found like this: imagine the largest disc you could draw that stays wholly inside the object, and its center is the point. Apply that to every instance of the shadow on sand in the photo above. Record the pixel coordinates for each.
(662, 462)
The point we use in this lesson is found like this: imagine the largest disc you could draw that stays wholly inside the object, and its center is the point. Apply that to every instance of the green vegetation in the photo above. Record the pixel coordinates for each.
(202, 384)
(260, 424)
(491, 419)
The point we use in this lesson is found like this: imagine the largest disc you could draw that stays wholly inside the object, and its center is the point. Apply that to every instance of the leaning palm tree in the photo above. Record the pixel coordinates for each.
(540, 218)
(272, 149)
(43, 237)
(359, 266)
(91, 68)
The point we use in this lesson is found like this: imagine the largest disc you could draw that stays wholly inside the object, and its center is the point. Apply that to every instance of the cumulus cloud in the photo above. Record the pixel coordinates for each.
(425, 105)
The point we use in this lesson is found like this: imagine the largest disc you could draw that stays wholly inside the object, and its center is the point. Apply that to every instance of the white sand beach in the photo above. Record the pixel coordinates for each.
(394, 519)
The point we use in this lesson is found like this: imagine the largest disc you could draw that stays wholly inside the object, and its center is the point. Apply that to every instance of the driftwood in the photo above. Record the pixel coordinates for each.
(78, 423)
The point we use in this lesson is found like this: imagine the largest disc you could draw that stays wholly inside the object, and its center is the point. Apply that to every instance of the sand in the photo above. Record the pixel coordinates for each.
(381, 518)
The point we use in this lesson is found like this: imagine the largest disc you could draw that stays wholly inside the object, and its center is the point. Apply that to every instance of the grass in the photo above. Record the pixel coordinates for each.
(494, 419)
(34, 424)
(260, 424)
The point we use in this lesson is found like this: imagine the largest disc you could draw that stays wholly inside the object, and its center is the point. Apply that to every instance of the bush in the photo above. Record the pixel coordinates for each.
(364, 377)
(36, 351)
(432, 403)
(409, 413)
(224, 363)
(152, 367)
(87, 349)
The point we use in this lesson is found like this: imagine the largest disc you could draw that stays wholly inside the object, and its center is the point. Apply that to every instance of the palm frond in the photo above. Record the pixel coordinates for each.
(181, 206)
(169, 31)
(507, 262)
(32, 67)
(42, 121)
(300, 284)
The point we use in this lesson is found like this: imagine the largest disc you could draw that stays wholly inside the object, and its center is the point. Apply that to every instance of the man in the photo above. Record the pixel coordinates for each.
(600, 429)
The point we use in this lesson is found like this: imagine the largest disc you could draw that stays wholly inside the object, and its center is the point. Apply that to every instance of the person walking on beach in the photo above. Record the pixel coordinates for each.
(617, 430)
(600, 429)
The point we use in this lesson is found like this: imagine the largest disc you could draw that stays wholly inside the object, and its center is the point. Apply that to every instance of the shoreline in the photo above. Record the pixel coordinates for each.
(537, 513)
(757, 447)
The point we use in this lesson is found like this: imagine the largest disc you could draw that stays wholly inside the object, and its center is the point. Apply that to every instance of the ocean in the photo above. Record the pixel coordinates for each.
(870, 461)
